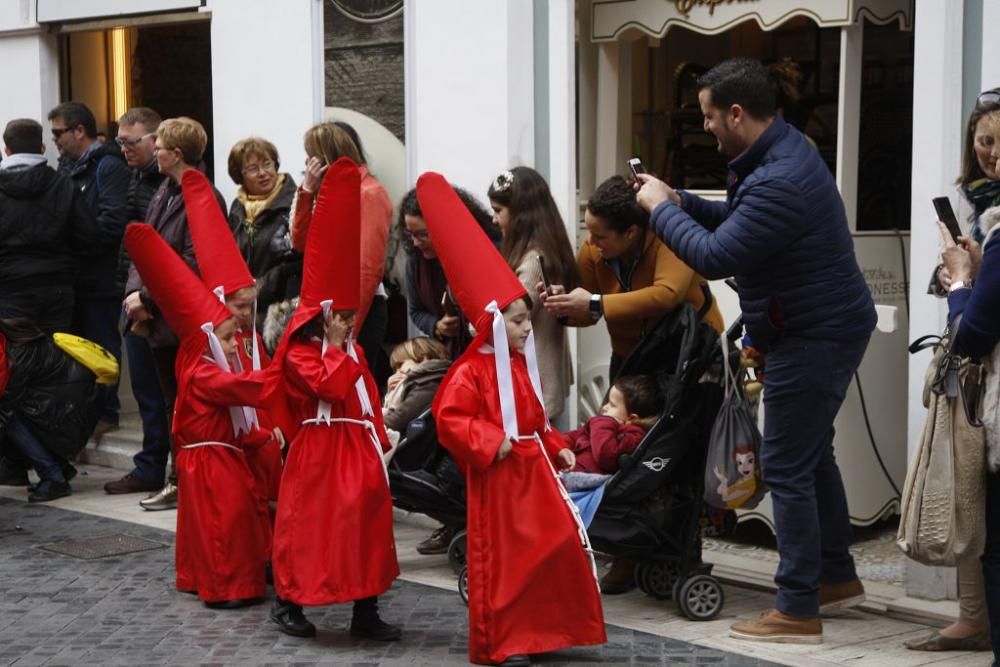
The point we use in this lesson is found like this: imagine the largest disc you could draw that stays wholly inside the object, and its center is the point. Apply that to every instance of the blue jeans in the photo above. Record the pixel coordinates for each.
(46, 464)
(151, 462)
(805, 382)
(991, 559)
(96, 319)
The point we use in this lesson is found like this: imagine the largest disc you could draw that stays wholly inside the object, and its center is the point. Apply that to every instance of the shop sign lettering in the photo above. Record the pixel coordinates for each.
(684, 7)
(885, 286)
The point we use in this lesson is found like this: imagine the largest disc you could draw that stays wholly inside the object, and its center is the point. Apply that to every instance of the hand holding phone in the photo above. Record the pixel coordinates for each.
(946, 215)
(545, 280)
(635, 166)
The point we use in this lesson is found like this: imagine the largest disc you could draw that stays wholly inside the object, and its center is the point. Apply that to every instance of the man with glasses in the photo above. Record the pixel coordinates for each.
(137, 137)
(101, 176)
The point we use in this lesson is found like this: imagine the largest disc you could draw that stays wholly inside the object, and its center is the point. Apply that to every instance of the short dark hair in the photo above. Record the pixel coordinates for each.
(144, 116)
(76, 113)
(641, 393)
(742, 81)
(614, 202)
(24, 135)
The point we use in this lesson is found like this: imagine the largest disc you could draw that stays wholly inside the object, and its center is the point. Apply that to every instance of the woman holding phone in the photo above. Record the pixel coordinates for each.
(536, 247)
(980, 184)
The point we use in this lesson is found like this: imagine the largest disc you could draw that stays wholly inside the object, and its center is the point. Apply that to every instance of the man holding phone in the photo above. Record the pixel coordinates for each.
(782, 232)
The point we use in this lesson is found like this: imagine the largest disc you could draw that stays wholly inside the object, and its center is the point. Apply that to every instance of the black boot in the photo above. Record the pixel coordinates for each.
(366, 623)
(48, 489)
(291, 620)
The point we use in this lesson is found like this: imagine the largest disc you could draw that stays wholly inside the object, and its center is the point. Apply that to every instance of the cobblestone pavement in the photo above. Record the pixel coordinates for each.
(123, 610)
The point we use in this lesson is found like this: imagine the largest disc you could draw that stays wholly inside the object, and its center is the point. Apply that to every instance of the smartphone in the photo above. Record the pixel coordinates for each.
(635, 165)
(947, 215)
(448, 304)
(545, 279)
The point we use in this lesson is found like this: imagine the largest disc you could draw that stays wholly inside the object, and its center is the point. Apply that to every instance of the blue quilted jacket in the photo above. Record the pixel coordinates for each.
(782, 233)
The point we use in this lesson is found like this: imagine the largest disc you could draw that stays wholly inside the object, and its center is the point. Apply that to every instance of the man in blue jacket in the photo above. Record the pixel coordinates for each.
(102, 178)
(782, 233)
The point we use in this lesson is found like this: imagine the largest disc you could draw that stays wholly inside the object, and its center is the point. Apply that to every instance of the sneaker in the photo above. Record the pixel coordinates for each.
(291, 620)
(774, 626)
(437, 543)
(370, 626)
(131, 483)
(49, 489)
(620, 578)
(166, 499)
(834, 597)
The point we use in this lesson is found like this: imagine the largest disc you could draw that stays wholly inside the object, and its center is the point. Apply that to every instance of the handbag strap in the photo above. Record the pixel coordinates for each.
(729, 377)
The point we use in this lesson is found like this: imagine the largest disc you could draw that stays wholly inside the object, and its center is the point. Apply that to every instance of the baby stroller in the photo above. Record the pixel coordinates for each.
(652, 507)
(424, 478)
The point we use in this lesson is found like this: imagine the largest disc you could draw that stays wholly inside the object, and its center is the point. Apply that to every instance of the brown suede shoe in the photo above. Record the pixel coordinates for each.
(834, 597)
(131, 484)
(620, 578)
(773, 626)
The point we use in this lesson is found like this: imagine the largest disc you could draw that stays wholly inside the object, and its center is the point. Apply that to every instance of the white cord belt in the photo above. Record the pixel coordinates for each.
(580, 528)
(369, 426)
(212, 443)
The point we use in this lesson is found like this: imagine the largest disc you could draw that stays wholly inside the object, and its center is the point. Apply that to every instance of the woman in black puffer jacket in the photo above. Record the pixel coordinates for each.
(45, 397)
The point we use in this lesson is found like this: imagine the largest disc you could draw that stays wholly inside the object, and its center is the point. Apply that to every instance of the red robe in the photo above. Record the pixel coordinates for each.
(222, 533)
(333, 538)
(598, 444)
(262, 450)
(532, 588)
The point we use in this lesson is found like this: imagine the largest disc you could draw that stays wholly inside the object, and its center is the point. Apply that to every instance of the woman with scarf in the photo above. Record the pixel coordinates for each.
(259, 219)
(980, 184)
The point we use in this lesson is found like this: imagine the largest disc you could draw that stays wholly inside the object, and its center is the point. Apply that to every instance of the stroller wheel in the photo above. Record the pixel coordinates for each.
(457, 551)
(463, 585)
(701, 597)
(656, 579)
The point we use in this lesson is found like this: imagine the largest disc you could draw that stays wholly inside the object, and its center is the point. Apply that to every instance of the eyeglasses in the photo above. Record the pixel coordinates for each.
(988, 97)
(59, 131)
(254, 169)
(132, 143)
(419, 235)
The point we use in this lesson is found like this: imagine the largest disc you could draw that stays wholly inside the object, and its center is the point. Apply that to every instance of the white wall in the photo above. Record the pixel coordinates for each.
(29, 77)
(991, 45)
(469, 91)
(281, 94)
(937, 135)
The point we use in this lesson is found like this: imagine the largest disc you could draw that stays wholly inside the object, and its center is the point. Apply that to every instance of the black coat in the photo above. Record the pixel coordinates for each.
(144, 184)
(43, 223)
(267, 249)
(102, 177)
(54, 394)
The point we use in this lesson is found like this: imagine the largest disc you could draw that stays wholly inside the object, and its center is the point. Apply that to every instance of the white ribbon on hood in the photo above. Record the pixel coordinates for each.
(323, 409)
(236, 413)
(249, 413)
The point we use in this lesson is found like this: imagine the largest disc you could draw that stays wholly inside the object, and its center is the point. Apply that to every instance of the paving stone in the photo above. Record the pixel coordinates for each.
(58, 610)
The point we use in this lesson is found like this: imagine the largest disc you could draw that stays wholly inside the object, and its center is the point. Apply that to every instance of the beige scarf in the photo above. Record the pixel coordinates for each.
(254, 205)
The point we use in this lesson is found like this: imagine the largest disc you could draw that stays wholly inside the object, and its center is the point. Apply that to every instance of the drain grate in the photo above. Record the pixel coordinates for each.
(90, 548)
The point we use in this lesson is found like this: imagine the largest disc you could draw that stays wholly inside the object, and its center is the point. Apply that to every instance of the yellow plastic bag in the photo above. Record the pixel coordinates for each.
(91, 355)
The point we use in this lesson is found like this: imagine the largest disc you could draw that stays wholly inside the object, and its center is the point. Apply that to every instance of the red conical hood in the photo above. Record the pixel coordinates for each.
(477, 274)
(185, 302)
(219, 260)
(332, 265)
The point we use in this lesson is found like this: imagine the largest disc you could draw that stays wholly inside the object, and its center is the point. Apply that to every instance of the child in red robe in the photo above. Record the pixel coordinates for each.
(532, 578)
(225, 273)
(333, 539)
(221, 543)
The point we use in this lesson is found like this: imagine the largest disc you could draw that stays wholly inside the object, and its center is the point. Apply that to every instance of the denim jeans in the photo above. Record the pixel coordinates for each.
(805, 382)
(96, 319)
(46, 464)
(151, 462)
(991, 559)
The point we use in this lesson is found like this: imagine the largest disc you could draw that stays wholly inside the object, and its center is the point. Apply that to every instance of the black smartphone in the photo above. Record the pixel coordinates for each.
(545, 280)
(448, 304)
(946, 214)
(635, 166)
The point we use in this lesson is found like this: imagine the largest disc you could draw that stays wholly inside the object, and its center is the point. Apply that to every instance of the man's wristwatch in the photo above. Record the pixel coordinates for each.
(596, 307)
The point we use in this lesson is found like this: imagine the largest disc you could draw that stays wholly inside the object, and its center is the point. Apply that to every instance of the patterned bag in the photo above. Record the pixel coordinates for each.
(943, 508)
